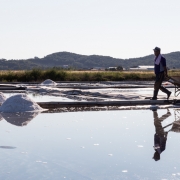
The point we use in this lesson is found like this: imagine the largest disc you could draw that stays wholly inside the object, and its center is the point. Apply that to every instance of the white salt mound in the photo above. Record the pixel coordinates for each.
(2, 98)
(20, 103)
(49, 82)
(1, 118)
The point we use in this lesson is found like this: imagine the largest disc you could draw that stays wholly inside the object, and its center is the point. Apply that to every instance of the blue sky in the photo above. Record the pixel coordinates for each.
(117, 28)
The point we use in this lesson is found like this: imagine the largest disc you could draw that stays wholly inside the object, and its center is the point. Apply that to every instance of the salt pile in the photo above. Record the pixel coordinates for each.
(49, 82)
(20, 103)
(2, 98)
(1, 118)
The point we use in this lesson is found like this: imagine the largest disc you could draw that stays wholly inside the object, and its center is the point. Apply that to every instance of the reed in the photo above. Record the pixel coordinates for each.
(37, 75)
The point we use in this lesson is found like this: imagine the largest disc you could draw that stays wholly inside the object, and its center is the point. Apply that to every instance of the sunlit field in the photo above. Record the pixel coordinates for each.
(68, 75)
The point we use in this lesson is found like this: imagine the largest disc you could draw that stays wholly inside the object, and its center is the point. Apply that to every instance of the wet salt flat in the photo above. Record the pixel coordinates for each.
(110, 94)
(89, 145)
(49, 91)
(42, 98)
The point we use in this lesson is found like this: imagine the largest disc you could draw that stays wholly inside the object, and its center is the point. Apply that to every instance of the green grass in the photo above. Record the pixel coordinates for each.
(37, 75)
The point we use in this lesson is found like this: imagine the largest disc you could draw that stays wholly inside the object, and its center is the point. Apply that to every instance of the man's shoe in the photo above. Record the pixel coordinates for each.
(153, 98)
(155, 93)
(168, 95)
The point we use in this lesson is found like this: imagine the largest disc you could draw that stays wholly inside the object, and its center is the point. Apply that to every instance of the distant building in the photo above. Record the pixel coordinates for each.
(112, 68)
(142, 68)
(65, 66)
(98, 69)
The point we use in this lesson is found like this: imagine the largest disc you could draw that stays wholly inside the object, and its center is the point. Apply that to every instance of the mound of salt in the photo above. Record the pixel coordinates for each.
(49, 82)
(20, 103)
(1, 118)
(2, 98)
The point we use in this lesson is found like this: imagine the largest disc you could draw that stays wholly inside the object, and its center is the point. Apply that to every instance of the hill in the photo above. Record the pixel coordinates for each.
(82, 61)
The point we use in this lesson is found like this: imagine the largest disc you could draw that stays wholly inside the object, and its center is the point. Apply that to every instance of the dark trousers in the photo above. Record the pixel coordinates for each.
(158, 83)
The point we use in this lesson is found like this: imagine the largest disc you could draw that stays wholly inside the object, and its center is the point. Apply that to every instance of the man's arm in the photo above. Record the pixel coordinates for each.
(165, 71)
(163, 60)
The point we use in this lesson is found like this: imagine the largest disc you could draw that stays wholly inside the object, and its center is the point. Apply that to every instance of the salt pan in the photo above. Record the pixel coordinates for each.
(20, 103)
(49, 82)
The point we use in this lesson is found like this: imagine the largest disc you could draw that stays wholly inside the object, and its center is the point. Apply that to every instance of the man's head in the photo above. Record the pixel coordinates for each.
(157, 51)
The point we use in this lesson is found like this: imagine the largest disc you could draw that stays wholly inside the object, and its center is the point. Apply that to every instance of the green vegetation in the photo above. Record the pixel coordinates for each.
(76, 61)
(38, 75)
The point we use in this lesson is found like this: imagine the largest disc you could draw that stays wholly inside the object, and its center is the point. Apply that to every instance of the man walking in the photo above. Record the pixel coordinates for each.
(160, 72)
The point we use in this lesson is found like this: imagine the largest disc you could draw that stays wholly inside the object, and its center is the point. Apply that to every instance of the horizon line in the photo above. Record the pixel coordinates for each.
(88, 55)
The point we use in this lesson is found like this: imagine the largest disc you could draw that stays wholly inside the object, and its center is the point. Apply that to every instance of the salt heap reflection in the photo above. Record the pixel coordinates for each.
(19, 119)
(19, 110)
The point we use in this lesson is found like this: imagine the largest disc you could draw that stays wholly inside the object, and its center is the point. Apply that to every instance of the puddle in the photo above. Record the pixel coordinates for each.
(91, 145)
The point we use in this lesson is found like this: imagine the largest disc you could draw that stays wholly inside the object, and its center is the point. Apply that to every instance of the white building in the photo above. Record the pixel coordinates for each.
(112, 68)
(98, 69)
(65, 66)
(142, 68)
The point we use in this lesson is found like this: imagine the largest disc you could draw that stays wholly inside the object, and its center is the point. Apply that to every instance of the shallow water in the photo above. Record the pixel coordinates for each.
(87, 145)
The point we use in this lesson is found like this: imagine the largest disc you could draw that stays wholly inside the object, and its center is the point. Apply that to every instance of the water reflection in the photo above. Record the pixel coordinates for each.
(161, 133)
(176, 123)
(19, 119)
(160, 136)
(7, 147)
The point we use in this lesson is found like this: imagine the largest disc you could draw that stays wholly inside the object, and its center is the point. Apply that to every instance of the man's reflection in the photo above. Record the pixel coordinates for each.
(160, 136)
